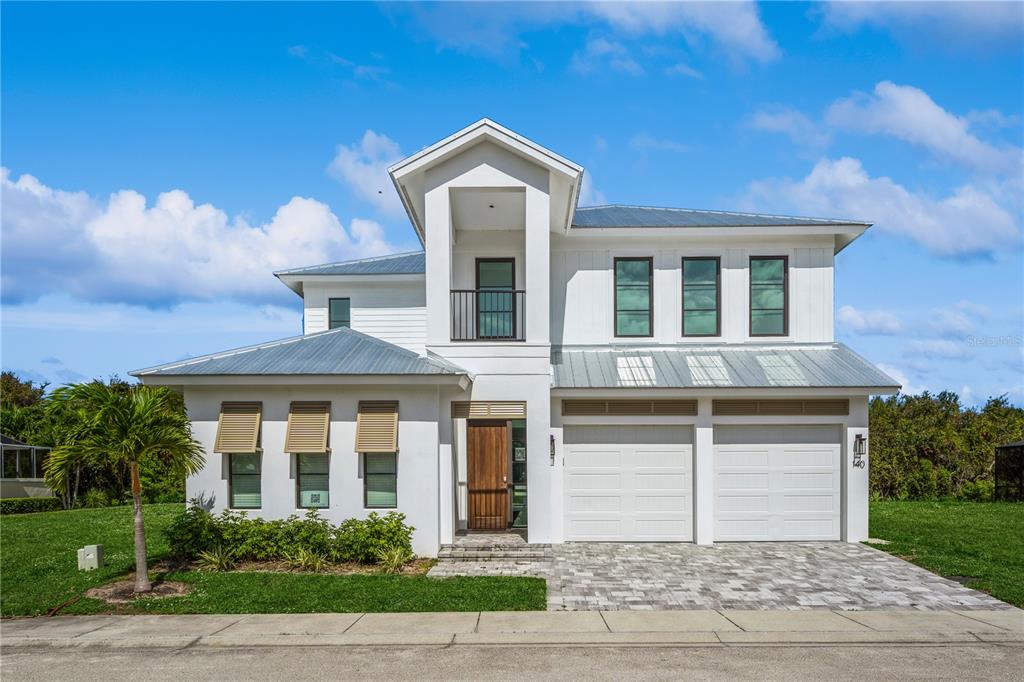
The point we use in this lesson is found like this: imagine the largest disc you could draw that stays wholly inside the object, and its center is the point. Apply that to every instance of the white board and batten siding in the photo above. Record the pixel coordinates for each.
(393, 312)
(628, 483)
(582, 284)
(777, 483)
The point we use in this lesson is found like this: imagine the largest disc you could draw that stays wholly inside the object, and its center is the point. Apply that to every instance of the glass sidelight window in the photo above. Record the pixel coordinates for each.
(245, 481)
(769, 296)
(496, 283)
(633, 299)
(313, 481)
(701, 296)
(518, 473)
(380, 479)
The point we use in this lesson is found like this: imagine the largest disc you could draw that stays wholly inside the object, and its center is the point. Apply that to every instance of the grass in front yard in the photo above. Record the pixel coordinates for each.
(984, 540)
(39, 572)
(252, 592)
(39, 553)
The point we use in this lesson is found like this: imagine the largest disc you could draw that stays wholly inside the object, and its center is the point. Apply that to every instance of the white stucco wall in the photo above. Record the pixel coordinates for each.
(418, 439)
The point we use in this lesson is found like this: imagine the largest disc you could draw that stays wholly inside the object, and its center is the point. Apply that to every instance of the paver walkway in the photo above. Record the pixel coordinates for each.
(741, 575)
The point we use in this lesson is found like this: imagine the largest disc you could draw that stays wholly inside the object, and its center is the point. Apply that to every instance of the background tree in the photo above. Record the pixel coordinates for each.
(129, 427)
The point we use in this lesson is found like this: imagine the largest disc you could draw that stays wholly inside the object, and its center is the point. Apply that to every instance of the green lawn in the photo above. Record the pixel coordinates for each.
(39, 572)
(984, 540)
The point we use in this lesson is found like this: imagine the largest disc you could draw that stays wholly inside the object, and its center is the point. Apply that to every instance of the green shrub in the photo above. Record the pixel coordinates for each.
(219, 558)
(943, 483)
(95, 498)
(307, 560)
(28, 505)
(977, 491)
(921, 484)
(194, 531)
(312, 532)
(361, 540)
(392, 560)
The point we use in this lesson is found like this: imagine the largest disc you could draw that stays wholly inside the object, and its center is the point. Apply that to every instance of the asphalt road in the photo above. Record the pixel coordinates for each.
(974, 661)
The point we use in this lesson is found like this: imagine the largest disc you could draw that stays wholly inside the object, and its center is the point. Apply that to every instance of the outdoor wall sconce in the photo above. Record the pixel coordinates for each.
(860, 449)
(552, 450)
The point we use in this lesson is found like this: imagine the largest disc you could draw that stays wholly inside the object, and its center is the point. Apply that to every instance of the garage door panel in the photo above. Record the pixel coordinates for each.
(649, 497)
(777, 483)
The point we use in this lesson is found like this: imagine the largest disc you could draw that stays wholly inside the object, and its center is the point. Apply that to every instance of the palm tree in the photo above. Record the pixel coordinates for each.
(127, 425)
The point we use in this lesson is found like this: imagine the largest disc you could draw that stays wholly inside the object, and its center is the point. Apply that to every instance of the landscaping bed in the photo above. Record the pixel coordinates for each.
(980, 544)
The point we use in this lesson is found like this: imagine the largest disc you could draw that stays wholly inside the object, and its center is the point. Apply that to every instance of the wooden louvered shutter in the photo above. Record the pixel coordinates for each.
(377, 426)
(493, 409)
(308, 426)
(238, 429)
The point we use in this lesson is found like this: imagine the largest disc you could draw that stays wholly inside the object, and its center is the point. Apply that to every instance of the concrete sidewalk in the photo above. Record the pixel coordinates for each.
(579, 628)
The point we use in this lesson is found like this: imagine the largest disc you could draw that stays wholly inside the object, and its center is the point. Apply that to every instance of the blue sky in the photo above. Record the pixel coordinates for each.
(161, 160)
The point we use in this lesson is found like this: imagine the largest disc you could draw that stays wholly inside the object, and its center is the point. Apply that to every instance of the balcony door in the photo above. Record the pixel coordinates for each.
(496, 302)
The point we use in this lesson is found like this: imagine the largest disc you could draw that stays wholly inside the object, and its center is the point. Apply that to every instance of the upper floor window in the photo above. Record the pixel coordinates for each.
(340, 313)
(496, 283)
(769, 296)
(633, 299)
(701, 296)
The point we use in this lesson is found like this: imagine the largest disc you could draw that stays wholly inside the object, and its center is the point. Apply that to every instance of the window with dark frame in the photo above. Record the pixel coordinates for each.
(702, 296)
(769, 296)
(496, 283)
(380, 480)
(244, 483)
(312, 480)
(339, 313)
(634, 301)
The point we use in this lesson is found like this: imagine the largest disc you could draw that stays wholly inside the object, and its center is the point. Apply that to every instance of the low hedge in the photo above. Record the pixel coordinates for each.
(27, 505)
(196, 531)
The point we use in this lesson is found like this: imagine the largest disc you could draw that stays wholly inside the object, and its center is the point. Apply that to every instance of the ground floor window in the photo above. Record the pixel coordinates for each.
(245, 481)
(313, 478)
(381, 479)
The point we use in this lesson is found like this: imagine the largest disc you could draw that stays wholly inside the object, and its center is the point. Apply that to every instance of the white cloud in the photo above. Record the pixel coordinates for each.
(125, 250)
(500, 30)
(907, 387)
(589, 195)
(363, 167)
(909, 114)
(600, 54)
(645, 142)
(869, 322)
(681, 69)
(968, 221)
(938, 348)
(789, 122)
(948, 323)
(977, 26)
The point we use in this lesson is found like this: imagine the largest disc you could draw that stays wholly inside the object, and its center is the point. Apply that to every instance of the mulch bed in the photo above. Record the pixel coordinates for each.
(123, 591)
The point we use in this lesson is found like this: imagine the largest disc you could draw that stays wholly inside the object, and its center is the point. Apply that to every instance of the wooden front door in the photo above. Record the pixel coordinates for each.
(487, 449)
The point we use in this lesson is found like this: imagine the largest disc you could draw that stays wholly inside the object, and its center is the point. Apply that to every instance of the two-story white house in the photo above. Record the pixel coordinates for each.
(610, 373)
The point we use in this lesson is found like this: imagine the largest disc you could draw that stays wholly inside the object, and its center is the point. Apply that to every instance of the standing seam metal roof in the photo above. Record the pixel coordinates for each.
(341, 351)
(804, 366)
(653, 216)
(412, 263)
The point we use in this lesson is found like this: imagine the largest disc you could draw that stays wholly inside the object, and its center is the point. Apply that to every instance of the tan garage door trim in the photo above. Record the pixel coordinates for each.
(629, 408)
(779, 408)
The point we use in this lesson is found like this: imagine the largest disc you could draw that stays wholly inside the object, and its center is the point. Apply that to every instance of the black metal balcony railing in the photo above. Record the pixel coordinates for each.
(488, 315)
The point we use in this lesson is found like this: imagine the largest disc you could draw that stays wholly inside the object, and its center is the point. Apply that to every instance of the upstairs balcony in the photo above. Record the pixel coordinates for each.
(488, 315)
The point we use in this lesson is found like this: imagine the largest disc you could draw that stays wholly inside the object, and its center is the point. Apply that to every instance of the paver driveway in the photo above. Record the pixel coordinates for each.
(743, 575)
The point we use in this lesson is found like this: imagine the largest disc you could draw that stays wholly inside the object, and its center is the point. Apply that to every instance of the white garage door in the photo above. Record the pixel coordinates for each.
(777, 483)
(628, 483)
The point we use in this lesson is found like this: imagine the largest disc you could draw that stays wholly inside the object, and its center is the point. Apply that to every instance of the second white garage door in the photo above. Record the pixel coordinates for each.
(628, 483)
(777, 483)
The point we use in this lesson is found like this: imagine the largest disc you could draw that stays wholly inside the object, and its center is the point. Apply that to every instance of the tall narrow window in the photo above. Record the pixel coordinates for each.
(701, 296)
(496, 283)
(313, 481)
(633, 300)
(245, 481)
(340, 313)
(769, 296)
(381, 480)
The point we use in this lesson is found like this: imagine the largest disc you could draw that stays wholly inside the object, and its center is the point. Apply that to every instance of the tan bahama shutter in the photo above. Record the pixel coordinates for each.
(308, 426)
(493, 409)
(238, 429)
(377, 426)
(628, 408)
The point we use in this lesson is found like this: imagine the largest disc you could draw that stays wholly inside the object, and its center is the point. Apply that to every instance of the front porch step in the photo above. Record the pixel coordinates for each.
(495, 552)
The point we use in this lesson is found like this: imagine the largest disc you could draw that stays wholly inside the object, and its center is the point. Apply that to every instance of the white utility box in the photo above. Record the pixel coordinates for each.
(90, 558)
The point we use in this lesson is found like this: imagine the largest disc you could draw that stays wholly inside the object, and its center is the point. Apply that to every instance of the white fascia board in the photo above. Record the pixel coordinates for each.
(304, 380)
(295, 282)
(732, 392)
(844, 234)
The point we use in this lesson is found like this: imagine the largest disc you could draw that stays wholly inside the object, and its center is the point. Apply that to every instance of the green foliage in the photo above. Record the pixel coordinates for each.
(307, 560)
(977, 491)
(393, 559)
(28, 505)
(96, 497)
(196, 530)
(362, 540)
(219, 558)
(906, 430)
